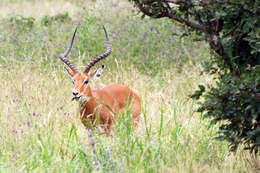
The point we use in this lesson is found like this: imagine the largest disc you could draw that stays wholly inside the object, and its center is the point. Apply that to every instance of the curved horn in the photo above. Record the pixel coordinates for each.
(63, 56)
(100, 57)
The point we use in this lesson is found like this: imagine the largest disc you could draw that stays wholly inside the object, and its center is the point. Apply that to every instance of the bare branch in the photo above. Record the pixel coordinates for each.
(166, 12)
(146, 11)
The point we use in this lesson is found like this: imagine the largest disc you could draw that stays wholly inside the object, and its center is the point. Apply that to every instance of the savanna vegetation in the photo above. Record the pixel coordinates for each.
(40, 126)
(232, 29)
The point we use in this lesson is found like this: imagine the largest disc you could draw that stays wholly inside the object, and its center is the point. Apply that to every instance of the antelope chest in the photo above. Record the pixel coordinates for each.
(93, 113)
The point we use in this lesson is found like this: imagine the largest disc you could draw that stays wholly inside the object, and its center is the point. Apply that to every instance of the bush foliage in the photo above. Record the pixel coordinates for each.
(59, 18)
(232, 29)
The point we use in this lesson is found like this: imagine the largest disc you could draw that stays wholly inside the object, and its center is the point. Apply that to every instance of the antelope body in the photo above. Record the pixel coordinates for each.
(102, 105)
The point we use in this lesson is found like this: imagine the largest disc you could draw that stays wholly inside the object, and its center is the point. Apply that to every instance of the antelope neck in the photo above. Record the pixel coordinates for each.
(91, 102)
(88, 107)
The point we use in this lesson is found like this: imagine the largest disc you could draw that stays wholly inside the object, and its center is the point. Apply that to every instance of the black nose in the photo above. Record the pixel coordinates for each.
(75, 93)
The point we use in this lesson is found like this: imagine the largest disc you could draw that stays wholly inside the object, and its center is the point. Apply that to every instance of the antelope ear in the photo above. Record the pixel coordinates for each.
(70, 72)
(96, 73)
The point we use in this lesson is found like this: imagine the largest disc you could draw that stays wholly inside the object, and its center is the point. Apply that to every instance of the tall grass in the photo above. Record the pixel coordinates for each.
(40, 126)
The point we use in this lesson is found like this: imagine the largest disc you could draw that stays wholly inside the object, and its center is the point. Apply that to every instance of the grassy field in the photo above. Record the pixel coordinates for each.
(40, 126)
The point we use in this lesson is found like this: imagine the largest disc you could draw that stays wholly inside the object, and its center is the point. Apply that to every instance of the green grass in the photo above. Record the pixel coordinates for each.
(40, 126)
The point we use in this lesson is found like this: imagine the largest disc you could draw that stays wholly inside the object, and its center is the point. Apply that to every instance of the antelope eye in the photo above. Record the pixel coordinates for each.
(86, 82)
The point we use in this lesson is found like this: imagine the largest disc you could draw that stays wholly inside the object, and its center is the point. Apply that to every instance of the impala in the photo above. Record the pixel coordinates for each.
(101, 106)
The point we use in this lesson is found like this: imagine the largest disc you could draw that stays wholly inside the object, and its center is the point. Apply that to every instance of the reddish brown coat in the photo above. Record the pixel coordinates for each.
(103, 105)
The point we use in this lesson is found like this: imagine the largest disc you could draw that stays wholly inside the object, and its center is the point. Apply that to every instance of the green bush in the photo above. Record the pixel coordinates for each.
(59, 18)
(22, 23)
(232, 29)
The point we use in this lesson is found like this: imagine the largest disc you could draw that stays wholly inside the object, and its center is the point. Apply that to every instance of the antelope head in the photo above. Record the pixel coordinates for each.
(82, 90)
